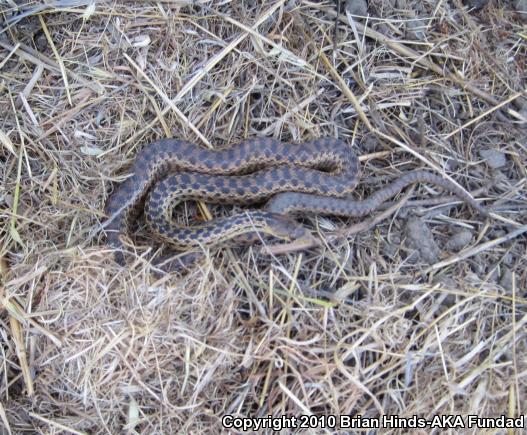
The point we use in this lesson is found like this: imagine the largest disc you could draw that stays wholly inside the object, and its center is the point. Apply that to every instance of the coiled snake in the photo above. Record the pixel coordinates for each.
(310, 177)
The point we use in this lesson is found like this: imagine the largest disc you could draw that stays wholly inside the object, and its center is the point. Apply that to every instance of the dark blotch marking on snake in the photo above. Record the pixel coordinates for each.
(288, 184)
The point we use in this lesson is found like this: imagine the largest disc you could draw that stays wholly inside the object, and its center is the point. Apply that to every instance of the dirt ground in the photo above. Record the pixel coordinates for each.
(415, 312)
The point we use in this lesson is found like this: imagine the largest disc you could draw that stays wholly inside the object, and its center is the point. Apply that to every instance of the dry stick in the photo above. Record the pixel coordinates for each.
(7, 143)
(215, 106)
(487, 112)
(3, 416)
(301, 244)
(11, 52)
(346, 91)
(18, 337)
(16, 312)
(13, 232)
(162, 120)
(55, 424)
(57, 56)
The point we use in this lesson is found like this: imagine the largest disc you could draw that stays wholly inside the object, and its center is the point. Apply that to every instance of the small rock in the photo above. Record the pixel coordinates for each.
(459, 240)
(357, 7)
(420, 238)
(494, 158)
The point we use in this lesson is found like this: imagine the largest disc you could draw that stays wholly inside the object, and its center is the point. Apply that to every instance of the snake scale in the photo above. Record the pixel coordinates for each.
(310, 177)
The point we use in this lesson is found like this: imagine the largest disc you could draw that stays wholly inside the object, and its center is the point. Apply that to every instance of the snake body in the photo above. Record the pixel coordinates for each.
(275, 167)
(312, 176)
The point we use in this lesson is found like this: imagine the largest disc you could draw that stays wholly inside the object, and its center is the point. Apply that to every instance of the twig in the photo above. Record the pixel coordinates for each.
(477, 249)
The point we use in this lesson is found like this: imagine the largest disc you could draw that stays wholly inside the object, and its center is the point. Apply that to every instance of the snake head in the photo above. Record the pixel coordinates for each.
(284, 227)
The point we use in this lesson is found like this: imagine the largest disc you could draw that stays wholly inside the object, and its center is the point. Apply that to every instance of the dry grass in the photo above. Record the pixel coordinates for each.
(355, 326)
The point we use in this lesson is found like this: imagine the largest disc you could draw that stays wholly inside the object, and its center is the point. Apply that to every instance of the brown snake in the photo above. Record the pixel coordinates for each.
(310, 177)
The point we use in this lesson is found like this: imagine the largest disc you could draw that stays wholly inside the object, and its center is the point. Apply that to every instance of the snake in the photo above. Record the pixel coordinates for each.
(315, 176)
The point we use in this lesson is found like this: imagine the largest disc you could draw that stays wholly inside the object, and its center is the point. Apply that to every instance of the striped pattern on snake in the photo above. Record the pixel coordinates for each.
(278, 167)
(312, 176)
